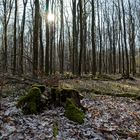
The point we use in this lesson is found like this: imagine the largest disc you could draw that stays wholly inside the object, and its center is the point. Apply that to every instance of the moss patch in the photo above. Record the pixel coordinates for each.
(31, 102)
(41, 87)
(73, 113)
(55, 129)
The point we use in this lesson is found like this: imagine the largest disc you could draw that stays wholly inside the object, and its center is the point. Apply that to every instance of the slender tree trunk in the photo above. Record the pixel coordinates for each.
(85, 39)
(100, 44)
(74, 34)
(7, 7)
(114, 48)
(22, 37)
(41, 58)
(125, 41)
(15, 36)
(93, 39)
(36, 39)
(47, 62)
(51, 48)
(132, 40)
(119, 47)
(121, 38)
(61, 39)
(81, 36)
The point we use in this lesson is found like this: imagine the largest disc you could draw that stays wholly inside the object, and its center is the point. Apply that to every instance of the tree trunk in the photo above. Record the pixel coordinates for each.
(15, 46)
(22, 37)
(74, 36)
(100, 44)
(125, 41)
(93, 40)
(81, 36)
(47, 62)
(41, 62)
(35, 38)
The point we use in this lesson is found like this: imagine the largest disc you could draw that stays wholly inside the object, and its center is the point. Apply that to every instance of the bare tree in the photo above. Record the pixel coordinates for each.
(47, 62)
(81, 36)
(93, 39)
(41, 52)
(74, 34)
(132, 40)
(100, 41)
(36, 38)
(61, 38)
(22, 37)
(7, 8)
(15, 39)
(125, 40)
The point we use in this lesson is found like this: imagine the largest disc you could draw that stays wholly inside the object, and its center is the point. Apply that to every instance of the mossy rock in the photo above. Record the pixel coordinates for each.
(72, 112)
(41, 87)
(31, 103)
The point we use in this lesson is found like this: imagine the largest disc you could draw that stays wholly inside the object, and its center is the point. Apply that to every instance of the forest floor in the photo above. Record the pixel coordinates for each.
(107, 117)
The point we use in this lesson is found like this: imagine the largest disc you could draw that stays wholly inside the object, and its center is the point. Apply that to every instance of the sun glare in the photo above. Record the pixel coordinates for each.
(50, 17)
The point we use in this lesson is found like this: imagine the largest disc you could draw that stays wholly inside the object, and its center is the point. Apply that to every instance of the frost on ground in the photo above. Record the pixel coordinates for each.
(106, 118)
(16, 126)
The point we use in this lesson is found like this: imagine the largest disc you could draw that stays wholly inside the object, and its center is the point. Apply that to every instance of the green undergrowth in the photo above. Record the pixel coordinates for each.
(73, 113)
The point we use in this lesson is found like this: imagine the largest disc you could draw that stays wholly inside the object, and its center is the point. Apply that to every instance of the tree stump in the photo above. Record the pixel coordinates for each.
(32, 102)
(58, 97)
(35, 100)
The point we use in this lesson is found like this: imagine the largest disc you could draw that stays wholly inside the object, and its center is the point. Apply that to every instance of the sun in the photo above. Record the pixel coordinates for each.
(50, 17)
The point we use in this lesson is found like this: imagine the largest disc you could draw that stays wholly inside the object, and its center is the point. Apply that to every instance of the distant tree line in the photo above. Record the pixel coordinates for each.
(86, 36)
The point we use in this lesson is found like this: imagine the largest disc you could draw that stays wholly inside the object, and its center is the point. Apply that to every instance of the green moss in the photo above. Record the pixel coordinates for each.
(73, 113)
(33, 107)
(41, 87)
(21, 101)
(31, 102)
(55, 129)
